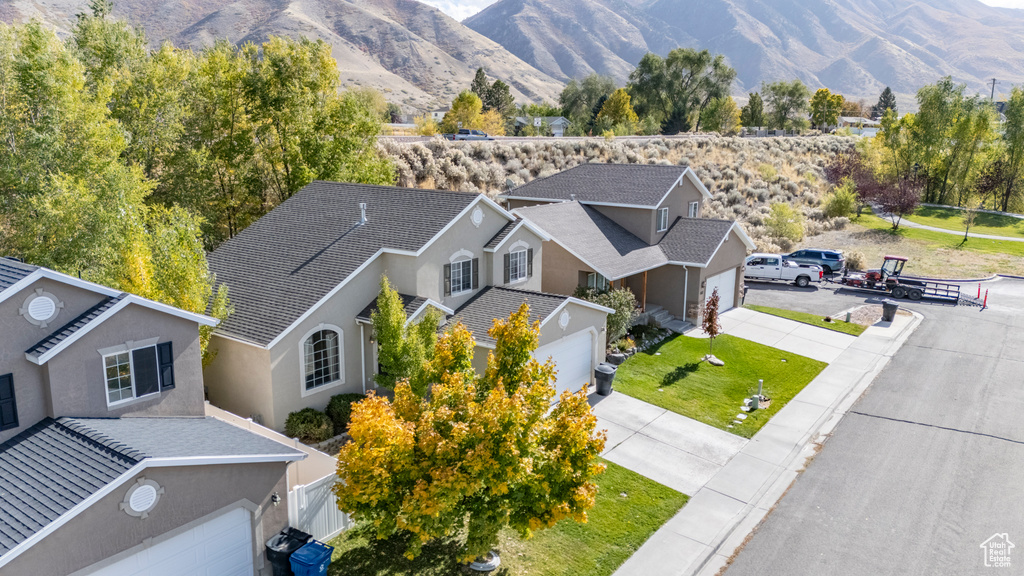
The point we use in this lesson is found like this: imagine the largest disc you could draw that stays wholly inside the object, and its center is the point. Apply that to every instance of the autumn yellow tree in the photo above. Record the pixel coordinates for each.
(618, 109)
(478, 454)
(467, 112)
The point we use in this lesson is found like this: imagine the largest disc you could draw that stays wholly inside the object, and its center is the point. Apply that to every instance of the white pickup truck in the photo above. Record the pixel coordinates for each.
(773, 267)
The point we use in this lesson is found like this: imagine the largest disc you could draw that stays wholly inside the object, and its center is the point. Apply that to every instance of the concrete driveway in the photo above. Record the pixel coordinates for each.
(782, 333)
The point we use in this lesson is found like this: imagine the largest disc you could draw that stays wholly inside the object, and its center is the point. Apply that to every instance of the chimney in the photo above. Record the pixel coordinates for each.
(362, 212)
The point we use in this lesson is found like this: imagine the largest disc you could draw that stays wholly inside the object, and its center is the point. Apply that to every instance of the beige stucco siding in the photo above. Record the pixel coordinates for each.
(521, 239)
(561, 270)
(78, 378)
(513, 204)
(238, 380)
(639, 221)
(190, 494)
(678, 204)
(664, 288)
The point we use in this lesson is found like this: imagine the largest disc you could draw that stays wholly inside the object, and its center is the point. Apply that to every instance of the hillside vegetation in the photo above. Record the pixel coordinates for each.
(745, 175)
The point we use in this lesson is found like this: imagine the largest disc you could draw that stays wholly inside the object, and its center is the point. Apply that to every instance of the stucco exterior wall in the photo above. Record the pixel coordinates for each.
(665, 287)
(103, 531)
(521, 239)
(639, 221)
(513, 204)
(561, 270)
(238, 380)
(678, 204)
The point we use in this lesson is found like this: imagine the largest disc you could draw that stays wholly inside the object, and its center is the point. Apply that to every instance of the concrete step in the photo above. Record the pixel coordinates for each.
(663, 316)
(653, 309)
(677, 326)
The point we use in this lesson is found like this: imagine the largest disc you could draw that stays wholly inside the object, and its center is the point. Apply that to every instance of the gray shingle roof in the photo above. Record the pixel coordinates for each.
(47, 470)
(56, 464)
(609, 248)
(11, 271)
(410, 303)
(65, 331)
(632, 184)
(694, 240)
(283, 264)
(502, 234)
(496, 302)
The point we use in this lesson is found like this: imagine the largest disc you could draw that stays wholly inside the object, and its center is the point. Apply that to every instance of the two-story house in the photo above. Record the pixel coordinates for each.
(304, 280)
(635, 226)
(107, 462)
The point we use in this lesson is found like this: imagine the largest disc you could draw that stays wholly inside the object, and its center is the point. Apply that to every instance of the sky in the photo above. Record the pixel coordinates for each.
(462, 9)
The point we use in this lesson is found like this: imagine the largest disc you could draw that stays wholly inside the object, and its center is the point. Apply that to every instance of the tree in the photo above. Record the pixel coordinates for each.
(617, 109)
(785, 222)
(402, 348)
(887, 101)
(722, 115)
(621, 300)
(826, 108)
(579, 98)
(427, 126)
(496, 96)
(464, 112)
(480, 86)
(676, 89)
(752, 114)
(855, 109)
(472, 459)
(1012, 157)
(709, 321)
(787, 104)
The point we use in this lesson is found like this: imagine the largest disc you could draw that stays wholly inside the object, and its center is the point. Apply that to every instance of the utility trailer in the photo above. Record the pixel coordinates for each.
(888, 280)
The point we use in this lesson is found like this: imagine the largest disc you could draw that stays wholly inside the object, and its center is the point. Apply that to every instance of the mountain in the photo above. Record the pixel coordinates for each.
(419, 57)
(856, 47)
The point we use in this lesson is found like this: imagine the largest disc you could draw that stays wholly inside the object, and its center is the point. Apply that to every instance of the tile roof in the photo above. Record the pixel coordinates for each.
(410, 303)
(694, 240)
(11, 271)
(632, 184)
(67, 330)
(284, 263)
(502, 234)
(479, 313)
(53, 466)
(609, 248)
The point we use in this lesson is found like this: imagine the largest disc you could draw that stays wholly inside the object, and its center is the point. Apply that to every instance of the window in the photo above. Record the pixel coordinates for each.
(662, 219)
(139, 372)
(461, 276)
(771, 261)
(597, 282)
(322, 355)
(8, 408)
(518, 265)
(694, 209)
(756, 262)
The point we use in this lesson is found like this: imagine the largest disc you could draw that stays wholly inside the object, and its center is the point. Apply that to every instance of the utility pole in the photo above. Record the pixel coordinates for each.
(993, 82)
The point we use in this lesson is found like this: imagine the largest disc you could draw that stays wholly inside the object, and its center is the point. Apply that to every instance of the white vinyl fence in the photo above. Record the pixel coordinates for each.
(313, 509)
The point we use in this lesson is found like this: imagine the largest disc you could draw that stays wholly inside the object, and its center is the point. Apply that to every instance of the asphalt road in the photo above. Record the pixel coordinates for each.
(927, 465)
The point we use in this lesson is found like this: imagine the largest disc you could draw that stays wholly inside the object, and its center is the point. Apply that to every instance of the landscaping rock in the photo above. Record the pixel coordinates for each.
(710, 359)
(616, 359)
(741, 416)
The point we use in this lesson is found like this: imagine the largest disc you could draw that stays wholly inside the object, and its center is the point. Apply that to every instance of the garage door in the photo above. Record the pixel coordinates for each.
(574, 359)
(726, 284)
(219, 547)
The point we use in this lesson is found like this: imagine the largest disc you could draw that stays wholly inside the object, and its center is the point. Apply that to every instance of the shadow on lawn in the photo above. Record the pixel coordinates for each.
(679, 373)
(387, 558)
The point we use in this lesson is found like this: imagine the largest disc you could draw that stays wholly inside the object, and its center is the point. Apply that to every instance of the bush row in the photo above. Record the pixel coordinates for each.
(312, 426)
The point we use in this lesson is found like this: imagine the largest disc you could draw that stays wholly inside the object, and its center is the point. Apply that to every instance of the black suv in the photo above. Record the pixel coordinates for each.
(829, 260)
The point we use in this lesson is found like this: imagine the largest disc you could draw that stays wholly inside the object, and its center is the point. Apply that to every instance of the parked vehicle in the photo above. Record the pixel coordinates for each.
(829, 260)
(775, 267)
(887, 279)
(466, 134)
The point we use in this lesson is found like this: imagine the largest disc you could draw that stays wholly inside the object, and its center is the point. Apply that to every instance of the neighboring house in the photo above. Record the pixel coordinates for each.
(639, 227)
(557, 124)
(107, 462)
(304, 280)
(860, 126)
(438, 115)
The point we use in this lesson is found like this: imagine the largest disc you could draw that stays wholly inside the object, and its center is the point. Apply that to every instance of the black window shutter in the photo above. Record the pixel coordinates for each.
(165, 358)
(476, 273)
(8, 407)
(508, 273)
(529, 263)
(447, 279)
(144, 369)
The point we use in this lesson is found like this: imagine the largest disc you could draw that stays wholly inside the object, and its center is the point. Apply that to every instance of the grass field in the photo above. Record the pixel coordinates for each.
(938, 240)
(984, 223)
(814, 320)
(672, 376)
(629, 509)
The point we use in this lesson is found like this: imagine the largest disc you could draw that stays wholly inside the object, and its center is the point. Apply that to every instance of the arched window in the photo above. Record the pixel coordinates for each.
(322, 358)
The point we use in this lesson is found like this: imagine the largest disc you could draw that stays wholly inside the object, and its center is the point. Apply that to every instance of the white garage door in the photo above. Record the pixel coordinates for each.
(574, 359)
(726, 284)
(219, 547)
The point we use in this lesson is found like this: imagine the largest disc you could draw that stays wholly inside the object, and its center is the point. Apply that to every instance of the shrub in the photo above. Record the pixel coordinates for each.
(768, 172)
(309, 426)
(841, 202)
(339, 409)
(785, 222)
(855, 261)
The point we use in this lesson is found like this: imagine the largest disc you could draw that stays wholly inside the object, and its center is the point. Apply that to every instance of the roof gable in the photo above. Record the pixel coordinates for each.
(629, 185)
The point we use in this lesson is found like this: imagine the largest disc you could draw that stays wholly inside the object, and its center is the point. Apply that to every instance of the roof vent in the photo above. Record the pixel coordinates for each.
(362, 212)
(572, 197)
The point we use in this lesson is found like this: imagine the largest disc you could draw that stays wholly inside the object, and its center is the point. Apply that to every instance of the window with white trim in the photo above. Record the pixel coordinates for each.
(597, 281)
(694, 209)
(322, 359)
(139, 372)
(662, 219)
(462, 276)
(517, 266)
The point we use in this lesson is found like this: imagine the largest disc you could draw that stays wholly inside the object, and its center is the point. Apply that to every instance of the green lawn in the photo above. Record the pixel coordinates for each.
(942, 240)
(814, 320)
(984, 223)
(676, 379)
(629, 509)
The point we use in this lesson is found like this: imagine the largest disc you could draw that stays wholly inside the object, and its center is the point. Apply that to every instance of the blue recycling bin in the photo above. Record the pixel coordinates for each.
(312, 559)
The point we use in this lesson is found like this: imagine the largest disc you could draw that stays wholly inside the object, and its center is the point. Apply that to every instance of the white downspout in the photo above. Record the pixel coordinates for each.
(362, 355)
(686, 290)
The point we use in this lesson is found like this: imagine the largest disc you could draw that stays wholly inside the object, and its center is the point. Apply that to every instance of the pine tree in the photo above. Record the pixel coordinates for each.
(752, 114)
(480, 86)
(887, 101)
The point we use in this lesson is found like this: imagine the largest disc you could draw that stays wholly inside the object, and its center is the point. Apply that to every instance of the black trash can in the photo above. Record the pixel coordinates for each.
(889, 309)
(281, 547)
(603, 375)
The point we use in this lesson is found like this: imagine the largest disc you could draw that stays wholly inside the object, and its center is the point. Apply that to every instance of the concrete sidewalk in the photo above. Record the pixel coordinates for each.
(720, 515)
(782, 333)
